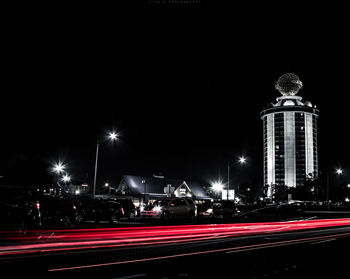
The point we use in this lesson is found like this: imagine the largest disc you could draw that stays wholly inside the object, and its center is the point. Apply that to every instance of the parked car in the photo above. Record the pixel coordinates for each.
(171, 208)
(19, 209)
(102, 210)
(129, 208)
(60, 211)
(217, 210)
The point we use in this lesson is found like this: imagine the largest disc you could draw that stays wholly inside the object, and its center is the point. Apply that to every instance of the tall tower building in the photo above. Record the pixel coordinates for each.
(290, 136)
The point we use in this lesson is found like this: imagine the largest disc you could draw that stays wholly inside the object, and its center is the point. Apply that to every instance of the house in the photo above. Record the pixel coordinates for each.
(147, 189)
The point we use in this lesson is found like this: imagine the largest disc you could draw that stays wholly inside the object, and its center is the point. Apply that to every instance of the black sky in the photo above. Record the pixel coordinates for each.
(183, 84)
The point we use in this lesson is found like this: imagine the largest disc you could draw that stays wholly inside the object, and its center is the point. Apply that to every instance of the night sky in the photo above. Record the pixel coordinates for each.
(184, 85)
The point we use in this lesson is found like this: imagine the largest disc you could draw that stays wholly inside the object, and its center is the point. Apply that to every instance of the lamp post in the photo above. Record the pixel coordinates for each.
(66, 178)
(60, 169)
(338, 172)
(144, 190)
(112, 136)
(109, 188)
(241, 161)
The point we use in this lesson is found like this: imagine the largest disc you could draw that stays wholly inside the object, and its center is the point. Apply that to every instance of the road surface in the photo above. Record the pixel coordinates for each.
(245, 250)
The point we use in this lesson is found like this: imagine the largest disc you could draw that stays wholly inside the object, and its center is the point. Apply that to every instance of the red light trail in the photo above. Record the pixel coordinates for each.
(226, 250)
(75, 239)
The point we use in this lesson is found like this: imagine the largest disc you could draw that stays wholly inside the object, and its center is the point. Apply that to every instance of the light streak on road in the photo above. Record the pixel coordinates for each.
(64, 240)
(226, 250)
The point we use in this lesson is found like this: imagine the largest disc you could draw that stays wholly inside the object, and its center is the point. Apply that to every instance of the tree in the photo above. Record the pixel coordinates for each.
(280, 192)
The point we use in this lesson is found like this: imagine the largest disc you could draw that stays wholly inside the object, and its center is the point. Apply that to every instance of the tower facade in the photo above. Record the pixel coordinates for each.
(290, 137)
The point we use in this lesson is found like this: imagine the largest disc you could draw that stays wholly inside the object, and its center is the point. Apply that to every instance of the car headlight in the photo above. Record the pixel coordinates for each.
(210, 210)
(157, 209)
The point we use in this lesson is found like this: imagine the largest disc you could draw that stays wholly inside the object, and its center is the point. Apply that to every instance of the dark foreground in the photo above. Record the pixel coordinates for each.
(262, 253)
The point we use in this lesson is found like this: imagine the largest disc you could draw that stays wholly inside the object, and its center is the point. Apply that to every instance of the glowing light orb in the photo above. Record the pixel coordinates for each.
(58, 168)
(217, 186)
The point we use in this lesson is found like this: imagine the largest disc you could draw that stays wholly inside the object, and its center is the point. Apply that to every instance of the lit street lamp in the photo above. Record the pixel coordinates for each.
(218, 186)
(58, 168)
(66, 178)
(339, 171)
(241, 161)
(109, 188)
(144, 191)
(112, 136)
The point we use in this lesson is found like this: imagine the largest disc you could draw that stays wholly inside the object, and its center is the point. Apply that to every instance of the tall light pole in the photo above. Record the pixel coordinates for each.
(241, 160)
(112, 136)
(60, 169)
(109, 188)
(144, 190)
(338, 172)
(95, 175)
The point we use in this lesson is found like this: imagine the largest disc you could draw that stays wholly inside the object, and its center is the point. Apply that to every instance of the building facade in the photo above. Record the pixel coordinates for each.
(290, 137)
(148, 189)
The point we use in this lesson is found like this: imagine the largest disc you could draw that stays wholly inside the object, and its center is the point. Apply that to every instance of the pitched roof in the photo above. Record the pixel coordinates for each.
(155, 185)
(197, 189)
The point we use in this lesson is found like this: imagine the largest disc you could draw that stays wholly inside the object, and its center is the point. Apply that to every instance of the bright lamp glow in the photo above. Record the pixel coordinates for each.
(218, 186)
(339, 171)
(58, 168)
(113, 136)
(242, 160)
(66, 178)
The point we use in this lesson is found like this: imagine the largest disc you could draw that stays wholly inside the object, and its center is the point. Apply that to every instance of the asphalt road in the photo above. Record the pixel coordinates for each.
(313, 252)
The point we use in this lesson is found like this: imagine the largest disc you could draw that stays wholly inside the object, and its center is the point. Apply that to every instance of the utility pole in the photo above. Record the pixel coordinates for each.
(94, 189)
(144, 191)
(327, 190)
(228, 179)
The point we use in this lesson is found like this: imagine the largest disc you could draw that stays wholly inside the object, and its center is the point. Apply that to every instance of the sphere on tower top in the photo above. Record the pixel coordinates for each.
(288, 84)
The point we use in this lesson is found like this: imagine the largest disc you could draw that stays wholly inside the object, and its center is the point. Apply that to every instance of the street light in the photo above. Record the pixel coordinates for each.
(112, 136)
(339, 171)
(109, 188)
(58, 168)
(241, 161)
(144, 191)
(217, 186)
(66, 178)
